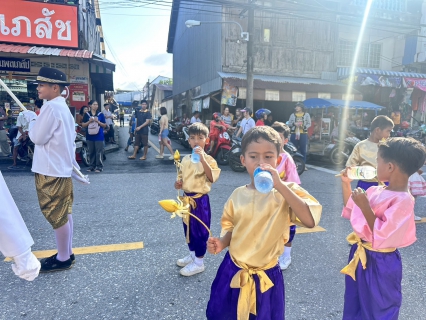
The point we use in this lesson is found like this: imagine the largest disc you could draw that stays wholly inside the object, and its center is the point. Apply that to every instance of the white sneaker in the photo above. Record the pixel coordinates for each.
(171, 158)
(284, 262)
(191, 269)
(158, 156)
(417, 218)
(184, 261)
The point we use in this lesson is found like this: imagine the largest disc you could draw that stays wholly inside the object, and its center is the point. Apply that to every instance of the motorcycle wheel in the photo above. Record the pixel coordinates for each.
(223, 157)
(84, 155)
(235, 163)
(154, 132)
(300, 164)
(338, 157)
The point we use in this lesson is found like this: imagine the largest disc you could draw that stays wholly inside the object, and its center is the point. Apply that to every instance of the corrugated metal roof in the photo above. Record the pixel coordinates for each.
(279, 79)
(344, 72)
(46, 51)
(164, 87)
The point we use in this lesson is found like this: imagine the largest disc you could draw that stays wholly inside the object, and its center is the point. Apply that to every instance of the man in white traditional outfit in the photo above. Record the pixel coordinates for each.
(15, 240)
(53, 133)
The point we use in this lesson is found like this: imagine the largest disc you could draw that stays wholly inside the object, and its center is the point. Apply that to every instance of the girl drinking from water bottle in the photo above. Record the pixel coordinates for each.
(383, 220)
(255, 226)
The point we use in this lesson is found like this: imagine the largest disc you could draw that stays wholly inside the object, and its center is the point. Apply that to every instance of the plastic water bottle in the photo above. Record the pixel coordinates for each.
(195, 157)
(263, 181)
(362, 173)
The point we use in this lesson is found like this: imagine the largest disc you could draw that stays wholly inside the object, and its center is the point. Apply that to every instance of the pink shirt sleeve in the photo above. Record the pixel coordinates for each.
(396, 227)
(287, 169)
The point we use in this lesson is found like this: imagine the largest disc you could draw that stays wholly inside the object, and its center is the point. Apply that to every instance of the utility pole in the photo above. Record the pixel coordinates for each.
(250, 62)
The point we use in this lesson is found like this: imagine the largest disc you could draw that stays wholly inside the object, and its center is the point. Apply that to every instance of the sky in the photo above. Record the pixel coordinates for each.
(136, 41)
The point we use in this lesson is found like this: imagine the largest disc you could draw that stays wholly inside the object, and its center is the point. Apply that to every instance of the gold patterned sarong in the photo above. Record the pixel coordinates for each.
(193, 205)
(244, 281)
(55, 196)
(360, 254)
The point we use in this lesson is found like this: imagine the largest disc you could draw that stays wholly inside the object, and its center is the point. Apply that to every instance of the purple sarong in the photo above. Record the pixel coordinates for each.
(198, 234)
(223, 301)
(292, 233)
(376, 293)
(365, 185)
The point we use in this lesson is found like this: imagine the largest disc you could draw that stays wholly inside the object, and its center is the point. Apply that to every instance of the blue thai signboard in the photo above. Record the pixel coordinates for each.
(15, 64)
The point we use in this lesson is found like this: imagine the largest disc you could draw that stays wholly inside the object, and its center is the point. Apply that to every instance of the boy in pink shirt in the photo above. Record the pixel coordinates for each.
(383, 220)
(288, 173)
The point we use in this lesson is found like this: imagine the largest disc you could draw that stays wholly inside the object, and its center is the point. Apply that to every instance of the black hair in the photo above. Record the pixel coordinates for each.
(195, 112)
(144, 101)
(407, 153)
(82, 109)
(163, 110)
(106, 104)
(264, 132)
(281, 127)
(198, 128)
(300, 104)
(91, 102)
(381, 122)
(61, 86)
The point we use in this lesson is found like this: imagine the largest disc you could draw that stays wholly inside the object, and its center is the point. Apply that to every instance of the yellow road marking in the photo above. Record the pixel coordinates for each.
(91, 250)
(310, 230)
(422, 221)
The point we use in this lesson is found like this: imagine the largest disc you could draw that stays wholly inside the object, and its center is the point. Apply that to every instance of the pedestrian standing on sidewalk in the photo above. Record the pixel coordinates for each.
(299, 123)
(21, 137)
(163, 135)
(143, 119)
(121, 117)
(53, 133)
(4, 145)
(382, 219)
(196, 182)
(109, 118)
(94, 122)
(132, 127)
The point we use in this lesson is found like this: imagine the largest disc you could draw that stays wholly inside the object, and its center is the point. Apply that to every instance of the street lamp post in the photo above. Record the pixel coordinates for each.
(244, 36)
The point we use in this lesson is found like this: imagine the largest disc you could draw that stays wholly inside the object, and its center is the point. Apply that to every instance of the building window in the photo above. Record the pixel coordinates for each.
(242, 93)
(298, 96)
(390, 5)
(369, 54)
(272, 95)
(348, 96)
(324, 95)
(266, 35)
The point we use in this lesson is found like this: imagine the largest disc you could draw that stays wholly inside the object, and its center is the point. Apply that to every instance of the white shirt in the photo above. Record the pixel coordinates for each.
(21, 122)
(108, 121)
(194, 120)
(53, 133)
(247, 124)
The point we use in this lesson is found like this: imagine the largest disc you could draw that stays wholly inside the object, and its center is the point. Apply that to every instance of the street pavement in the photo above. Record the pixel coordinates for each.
(121, 207)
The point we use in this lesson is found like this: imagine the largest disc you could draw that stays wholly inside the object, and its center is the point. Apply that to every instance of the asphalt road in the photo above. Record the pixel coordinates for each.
(121, 206)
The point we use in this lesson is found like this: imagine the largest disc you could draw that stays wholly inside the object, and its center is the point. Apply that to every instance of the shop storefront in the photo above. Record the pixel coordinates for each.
(35, 35)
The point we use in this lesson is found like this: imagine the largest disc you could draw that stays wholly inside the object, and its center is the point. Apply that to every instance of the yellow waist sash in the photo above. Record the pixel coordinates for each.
(244, 281)
(189, 200)
(360, 254)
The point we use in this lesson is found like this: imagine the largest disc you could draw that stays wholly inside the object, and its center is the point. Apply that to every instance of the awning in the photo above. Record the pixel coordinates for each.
(269, 82)
(345, 72)
(58, 52)
(101, 78)
(327, 103)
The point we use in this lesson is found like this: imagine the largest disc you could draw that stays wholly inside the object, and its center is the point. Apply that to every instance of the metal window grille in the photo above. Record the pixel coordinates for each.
(369, 55)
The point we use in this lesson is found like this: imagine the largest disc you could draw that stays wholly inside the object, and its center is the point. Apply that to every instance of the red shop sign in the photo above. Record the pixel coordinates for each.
(38, 23)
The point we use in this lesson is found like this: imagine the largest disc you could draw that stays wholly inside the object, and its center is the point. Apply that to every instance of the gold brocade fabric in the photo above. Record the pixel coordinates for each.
(360, 254)
(194, 179)
(260, 223)
(244, 281)
(189, 200)
(364, 154)
(55, 196)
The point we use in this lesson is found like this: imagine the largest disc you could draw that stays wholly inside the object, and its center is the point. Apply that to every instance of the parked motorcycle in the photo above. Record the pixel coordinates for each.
(155, 126)
(81, 148)
(26, 148)
(222, 148)
(339, 156)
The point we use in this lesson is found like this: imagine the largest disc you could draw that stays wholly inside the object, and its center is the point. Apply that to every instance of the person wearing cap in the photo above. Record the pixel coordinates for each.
(53, 133)
(247, 123)
(299, 123)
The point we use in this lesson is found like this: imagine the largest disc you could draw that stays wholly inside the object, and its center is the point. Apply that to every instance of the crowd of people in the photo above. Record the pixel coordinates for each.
(257, 227)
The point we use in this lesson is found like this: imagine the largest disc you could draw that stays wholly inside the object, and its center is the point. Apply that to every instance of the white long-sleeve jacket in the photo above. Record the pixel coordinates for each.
(53, 133)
